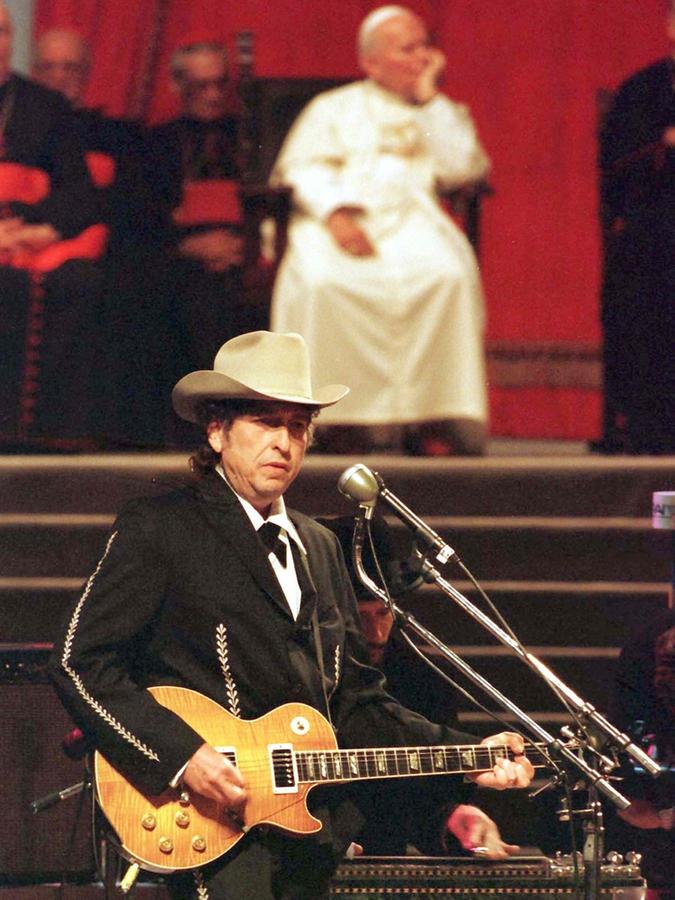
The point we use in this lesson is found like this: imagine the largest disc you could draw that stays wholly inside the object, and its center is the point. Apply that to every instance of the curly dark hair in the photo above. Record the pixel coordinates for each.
(224, 412)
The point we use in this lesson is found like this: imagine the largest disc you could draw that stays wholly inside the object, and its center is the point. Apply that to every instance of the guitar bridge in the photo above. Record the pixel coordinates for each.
(284, 769)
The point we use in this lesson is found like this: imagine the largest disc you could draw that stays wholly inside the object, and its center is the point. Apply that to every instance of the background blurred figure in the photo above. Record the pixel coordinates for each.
(644, 706)
(62, 63)
(637, 159)
(50, 287)
(192, 168)
(418, 815)
(114, 147)
(114, 154)
(380, 282)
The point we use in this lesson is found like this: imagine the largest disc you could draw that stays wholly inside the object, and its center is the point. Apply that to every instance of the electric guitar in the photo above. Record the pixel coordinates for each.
(282, 755)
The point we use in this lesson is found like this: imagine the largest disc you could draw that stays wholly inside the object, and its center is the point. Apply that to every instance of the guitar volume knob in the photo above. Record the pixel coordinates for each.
(198, 843)
(149, 822)
(166, 845)
(182, 819)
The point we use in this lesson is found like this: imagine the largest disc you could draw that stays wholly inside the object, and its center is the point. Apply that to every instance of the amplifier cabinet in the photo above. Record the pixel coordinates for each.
(391, 878)
(57, 841)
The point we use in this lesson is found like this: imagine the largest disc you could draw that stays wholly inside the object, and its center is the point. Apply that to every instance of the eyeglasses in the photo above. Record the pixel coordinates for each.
(200, 85)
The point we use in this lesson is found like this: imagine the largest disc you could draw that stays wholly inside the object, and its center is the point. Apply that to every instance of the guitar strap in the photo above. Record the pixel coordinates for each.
(319, 659)
(307, 585)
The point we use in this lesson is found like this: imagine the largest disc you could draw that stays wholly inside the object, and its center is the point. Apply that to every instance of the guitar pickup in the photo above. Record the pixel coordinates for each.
(229, 753)
(284, 769)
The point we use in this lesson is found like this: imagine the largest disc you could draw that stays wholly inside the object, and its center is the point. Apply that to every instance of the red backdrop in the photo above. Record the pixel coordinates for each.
(531, 74)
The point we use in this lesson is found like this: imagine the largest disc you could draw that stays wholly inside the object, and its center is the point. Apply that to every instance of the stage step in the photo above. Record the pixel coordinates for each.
(561, 549)
(556, 486)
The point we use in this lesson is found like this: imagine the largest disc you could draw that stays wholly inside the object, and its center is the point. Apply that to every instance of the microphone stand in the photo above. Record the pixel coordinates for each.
(596, 780)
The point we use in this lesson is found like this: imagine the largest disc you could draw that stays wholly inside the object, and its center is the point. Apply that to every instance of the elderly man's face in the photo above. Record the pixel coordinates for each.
(398, 55)
(6, 34)
(261, 453)
(61, 64)
(203, 86)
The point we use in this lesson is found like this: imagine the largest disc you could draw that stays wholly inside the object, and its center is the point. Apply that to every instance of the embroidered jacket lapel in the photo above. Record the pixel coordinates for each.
(225, 514)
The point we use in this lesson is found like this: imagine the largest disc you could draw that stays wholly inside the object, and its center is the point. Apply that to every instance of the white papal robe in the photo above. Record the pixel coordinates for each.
(402, 328)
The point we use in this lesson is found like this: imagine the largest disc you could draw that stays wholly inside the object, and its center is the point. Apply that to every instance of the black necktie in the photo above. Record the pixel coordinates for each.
(269, 535)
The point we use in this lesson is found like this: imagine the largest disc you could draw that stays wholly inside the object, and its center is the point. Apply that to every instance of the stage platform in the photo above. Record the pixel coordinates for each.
(559, 538)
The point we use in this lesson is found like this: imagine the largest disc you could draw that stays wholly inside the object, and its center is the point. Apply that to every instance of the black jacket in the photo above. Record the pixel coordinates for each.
(184, 594)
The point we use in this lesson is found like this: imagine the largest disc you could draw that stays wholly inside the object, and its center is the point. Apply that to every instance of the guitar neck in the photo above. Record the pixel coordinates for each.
(316, 766)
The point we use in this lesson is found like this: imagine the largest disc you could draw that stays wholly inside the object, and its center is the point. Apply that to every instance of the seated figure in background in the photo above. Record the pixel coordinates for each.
(643, 705)
(113, 147)
(637, 161)
(381, 283)
(193, 171)
(114, 153)
(50, 285)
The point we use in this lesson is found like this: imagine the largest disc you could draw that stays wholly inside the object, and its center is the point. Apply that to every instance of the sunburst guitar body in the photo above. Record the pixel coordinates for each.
(281, 756)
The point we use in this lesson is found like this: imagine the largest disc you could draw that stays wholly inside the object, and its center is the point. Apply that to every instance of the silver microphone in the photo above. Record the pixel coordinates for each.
(360, 484)
(364, 486)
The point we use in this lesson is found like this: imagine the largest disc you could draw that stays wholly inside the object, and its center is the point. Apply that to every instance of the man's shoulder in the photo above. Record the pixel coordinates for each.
(342, 94)
(652, 76)
(30, 92)
(312, 530)
(112, 133)
(172, 499)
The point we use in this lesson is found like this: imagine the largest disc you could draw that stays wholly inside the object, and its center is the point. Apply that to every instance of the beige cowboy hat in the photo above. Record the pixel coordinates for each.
(260, 365)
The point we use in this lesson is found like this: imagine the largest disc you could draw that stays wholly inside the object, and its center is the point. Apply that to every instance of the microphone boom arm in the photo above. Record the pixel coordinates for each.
(593, 777)
(585, 711)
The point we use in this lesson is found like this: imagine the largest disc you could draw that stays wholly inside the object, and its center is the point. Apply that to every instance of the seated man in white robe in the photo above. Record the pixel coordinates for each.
(381, 283)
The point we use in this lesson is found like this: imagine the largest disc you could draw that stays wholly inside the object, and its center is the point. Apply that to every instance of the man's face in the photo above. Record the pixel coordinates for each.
(6, 34)
(261, 453)
(398, 55)
(376, 624)
(61, 64)
(202, 86)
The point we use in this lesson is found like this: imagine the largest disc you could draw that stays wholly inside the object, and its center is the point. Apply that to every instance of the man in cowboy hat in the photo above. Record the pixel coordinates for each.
(218, 588)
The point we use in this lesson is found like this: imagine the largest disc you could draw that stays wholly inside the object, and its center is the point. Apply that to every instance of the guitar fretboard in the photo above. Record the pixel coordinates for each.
(388, 762)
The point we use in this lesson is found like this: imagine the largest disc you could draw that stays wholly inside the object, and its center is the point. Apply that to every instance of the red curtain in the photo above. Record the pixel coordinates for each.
(530, 72)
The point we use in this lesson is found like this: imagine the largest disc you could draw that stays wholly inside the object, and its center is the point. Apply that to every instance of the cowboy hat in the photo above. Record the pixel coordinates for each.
(260, 365)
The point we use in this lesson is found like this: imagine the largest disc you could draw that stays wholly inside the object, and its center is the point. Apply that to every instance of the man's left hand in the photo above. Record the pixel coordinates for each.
(473, 828)
(16, 235)
(427, 83)
(506, 773)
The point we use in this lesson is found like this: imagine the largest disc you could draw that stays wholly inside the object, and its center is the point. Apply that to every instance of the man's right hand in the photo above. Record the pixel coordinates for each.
(347, 233)
(210, 774)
